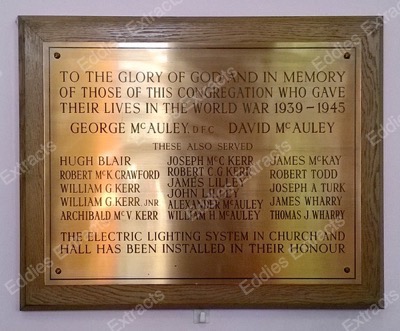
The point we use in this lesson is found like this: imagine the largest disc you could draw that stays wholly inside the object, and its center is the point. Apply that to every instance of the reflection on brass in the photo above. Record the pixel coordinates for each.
(178, 164)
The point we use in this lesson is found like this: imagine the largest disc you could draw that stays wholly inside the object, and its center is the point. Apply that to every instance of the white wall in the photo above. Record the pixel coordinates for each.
(12, 319)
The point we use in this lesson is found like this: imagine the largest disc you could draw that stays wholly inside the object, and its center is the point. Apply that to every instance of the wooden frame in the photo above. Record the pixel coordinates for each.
(33, 31)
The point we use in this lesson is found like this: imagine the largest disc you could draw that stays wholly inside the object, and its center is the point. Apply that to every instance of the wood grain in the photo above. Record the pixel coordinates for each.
(244, 31)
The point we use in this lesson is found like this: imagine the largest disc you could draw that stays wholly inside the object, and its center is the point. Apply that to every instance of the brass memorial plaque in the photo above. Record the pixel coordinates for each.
(205, 162)
(180, 164)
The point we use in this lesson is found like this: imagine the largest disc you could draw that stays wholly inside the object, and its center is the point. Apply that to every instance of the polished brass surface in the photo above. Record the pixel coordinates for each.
(176, 163)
